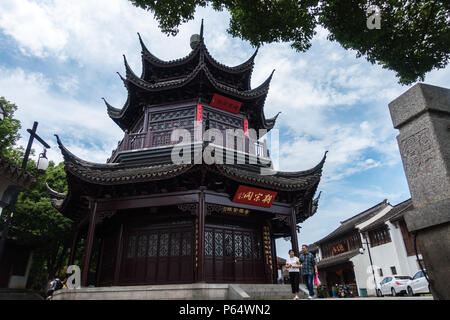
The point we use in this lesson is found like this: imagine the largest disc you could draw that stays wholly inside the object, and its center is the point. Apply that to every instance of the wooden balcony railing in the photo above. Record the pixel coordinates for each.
(135, 141)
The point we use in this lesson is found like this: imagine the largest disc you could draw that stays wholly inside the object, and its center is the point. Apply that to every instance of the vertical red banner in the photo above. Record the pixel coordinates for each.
(246, 127)
(199, 113)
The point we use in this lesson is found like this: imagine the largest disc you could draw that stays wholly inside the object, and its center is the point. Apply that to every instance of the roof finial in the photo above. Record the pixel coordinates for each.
(201, 31)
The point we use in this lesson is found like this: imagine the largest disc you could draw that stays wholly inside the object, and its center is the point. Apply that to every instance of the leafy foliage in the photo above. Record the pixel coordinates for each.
(35, 222)
(9, 133)
(414, 37)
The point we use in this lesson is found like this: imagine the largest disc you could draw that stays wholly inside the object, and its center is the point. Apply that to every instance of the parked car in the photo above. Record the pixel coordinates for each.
(393, 285)
(418, 284)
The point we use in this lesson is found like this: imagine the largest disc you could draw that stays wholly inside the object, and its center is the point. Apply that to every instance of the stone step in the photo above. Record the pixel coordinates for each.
(19, 294)
(272, 292)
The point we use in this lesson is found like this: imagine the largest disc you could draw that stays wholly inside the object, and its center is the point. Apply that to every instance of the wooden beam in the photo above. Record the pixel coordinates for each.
(166, 199)
(294, 238)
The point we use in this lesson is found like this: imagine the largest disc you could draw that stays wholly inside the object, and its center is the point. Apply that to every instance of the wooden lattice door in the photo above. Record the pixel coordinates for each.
(233, 255)
(157, 256)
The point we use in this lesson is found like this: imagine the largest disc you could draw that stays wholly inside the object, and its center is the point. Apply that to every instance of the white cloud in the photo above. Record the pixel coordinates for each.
(329, 99)
(73, 120)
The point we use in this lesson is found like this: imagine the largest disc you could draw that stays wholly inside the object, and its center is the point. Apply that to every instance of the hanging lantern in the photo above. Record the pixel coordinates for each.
(42, 163)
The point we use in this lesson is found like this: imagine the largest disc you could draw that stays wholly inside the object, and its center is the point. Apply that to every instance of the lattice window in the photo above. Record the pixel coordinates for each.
(256, 247)
(163, 244)
(175, 244)
(379, 236)
(131, 248)
(238, 245)
(142, 246)
(208, 243)
(218, 244)
(186, 247)
(247, 246)
(228, 244)
(152, 245)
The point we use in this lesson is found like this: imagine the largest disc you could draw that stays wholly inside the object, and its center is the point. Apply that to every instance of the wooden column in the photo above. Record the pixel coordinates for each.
(201, 236)
(89, 243)
(294, 238)
(118, 260)
(73, 248)
(274, 261)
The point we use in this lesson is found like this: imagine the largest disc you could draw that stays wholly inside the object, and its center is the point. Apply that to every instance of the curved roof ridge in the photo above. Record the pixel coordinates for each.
(112, 111)
(270, 122)
(69, 157)
(55, 194)
(145, 85)
(317, 168)
(262, 89)
(163, 63)
(245, 66)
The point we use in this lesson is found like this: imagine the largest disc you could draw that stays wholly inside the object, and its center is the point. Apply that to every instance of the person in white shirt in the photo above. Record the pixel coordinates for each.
(293, 266)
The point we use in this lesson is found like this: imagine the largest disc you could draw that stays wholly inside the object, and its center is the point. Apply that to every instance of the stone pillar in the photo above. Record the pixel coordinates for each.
(422, 114)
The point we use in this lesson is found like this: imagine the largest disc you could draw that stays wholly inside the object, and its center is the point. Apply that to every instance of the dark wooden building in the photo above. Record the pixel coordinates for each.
(145, 220)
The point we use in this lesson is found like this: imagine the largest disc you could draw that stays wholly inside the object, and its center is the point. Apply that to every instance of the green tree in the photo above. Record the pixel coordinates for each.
(414, 37)
(9, 134)
(35, 222)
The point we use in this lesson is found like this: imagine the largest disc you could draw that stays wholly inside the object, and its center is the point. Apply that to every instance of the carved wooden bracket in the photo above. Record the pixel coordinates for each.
(188, 207)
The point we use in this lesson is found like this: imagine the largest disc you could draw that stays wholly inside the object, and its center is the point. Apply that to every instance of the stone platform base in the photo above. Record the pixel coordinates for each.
(196, 291)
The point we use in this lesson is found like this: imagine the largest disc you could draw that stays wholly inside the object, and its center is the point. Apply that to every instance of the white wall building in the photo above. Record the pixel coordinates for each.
(343, 255)
(391, 248)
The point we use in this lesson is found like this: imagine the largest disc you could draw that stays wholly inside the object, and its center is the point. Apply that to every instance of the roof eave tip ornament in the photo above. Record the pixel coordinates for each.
(201, 31)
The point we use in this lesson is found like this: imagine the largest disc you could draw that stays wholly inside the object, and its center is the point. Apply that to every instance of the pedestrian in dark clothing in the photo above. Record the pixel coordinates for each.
(309, 269)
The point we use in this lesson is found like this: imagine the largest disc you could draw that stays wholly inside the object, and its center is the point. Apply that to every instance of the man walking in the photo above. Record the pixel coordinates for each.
(309, 269)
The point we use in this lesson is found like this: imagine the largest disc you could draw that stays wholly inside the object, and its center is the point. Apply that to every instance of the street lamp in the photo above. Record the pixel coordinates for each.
(3, 113)
(42, 165)
(361, 251)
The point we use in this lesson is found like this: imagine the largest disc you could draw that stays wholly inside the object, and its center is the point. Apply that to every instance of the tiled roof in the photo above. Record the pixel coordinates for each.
(15, 174)
(394, 214)
(120, 173)
(337, 259)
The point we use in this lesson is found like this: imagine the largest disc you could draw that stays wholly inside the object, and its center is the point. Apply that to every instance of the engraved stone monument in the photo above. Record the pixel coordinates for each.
(422, 114)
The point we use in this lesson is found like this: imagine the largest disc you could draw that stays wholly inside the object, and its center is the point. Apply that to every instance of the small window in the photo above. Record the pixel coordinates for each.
(380, 272)
(394, 271)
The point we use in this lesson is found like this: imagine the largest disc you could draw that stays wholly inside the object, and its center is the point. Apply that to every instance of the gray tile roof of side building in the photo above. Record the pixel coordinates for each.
(349, 224)
(337, 259)
(396, 213)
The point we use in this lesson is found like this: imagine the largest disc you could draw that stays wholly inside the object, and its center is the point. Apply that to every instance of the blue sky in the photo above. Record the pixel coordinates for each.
(59, 58)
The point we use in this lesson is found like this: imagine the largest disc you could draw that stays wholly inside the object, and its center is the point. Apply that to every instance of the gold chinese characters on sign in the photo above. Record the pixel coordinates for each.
(236, 210)
(267, 247)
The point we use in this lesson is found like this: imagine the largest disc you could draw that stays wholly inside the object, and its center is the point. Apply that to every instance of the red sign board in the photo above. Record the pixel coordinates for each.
(254, 196)
(199, 113)
(246, 127)
(225, 103)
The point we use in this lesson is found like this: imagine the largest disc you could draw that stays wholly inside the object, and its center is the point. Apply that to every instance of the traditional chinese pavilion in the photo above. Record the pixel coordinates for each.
(144, 220)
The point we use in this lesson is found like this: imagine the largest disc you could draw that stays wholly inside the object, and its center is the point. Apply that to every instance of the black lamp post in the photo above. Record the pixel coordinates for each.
(371, 264)
(42, 166)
